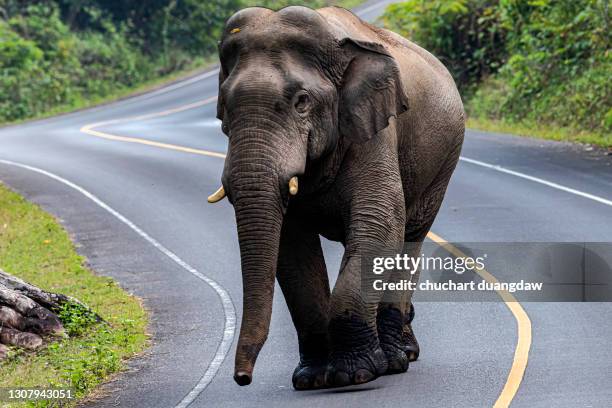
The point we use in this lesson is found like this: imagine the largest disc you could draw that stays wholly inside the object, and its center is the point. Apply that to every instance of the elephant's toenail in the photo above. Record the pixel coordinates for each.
(319, 381)
(302, 383)
(398, 363)
(341, 379)
(363, 376)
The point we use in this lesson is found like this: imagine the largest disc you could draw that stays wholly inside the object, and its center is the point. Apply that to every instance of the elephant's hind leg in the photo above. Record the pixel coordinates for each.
(397, 338)
(395, 318)
(302, 276)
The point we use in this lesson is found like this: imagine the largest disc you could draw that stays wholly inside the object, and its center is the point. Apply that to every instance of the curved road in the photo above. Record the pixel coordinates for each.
(140, 171)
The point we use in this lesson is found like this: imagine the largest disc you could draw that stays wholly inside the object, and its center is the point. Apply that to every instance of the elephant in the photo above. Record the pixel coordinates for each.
(338, 129)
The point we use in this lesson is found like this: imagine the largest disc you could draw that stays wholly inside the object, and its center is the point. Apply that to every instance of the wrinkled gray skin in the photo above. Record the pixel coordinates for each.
(372, 125)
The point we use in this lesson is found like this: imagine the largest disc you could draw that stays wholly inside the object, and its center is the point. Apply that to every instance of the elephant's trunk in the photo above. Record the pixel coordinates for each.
(259, 215)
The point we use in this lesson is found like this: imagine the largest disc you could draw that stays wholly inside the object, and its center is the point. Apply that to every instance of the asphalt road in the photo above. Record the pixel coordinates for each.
(141, 217)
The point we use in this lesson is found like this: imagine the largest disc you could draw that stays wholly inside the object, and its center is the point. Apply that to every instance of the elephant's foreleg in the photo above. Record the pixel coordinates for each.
(302, 276)
(356, 353)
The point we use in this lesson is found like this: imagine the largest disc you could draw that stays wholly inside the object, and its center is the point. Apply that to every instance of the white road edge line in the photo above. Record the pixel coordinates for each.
(226, 301)
(538, 180)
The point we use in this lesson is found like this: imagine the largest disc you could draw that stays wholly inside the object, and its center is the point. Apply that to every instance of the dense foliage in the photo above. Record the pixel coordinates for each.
(466, 35)
(44, 64)
(537, 61)
(58, 54)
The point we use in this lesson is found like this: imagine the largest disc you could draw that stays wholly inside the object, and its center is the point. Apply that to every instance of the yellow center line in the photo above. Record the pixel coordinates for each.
(523, 344)
(90, 130)
(523, 324)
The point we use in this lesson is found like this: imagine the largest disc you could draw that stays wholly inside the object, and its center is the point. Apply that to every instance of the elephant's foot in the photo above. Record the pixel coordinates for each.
(356, 356)
(309, 375)
(397, 339)
(310, 372)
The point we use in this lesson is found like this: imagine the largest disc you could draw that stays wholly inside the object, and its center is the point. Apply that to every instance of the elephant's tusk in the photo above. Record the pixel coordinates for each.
(217, 195)
(293, 186)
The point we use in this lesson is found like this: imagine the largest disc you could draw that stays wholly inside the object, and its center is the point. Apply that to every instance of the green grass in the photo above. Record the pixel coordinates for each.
(541, 131)
(35, 247)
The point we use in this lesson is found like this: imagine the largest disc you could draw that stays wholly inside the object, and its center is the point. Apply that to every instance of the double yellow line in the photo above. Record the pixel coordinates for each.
(523, 344)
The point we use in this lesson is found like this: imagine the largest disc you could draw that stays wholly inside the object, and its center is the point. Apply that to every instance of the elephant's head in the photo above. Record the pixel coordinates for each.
(290, 85)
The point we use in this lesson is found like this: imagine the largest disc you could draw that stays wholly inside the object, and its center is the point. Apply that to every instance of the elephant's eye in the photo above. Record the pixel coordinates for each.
(301, 102)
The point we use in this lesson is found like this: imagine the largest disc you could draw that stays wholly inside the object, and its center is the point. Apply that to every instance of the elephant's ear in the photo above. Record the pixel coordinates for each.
(371, 91)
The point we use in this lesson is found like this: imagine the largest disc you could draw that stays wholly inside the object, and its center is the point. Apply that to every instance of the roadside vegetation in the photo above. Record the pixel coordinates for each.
(536, 67)
(61, 55)
(34, 247)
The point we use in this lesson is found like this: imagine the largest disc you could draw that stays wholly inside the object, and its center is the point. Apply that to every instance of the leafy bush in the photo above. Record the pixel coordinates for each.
(45, 87)
(19, 64)
(535, 61)
(560, 63)
(108, 62)
(467, 35)
(76, 318)
(45, 65)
